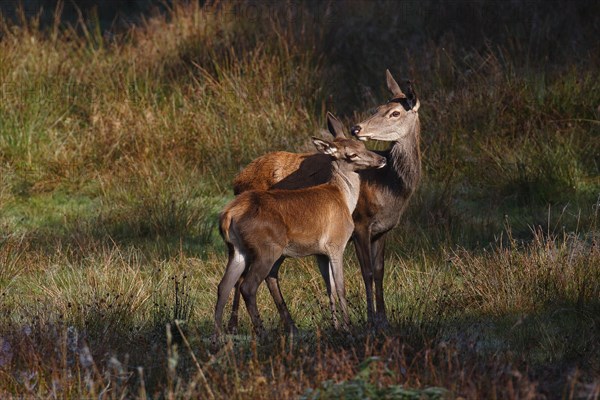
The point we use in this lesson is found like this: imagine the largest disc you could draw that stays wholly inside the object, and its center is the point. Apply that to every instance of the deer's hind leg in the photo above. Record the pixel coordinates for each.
(273, 285)
(234, 270)
(272, 281)
(258, 271)
(235, 307)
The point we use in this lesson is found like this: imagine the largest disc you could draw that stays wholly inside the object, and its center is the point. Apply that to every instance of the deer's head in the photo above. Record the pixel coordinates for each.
(393, 120)
(350, 152)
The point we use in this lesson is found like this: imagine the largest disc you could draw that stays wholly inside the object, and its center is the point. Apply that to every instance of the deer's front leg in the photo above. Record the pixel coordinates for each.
(378, 254)
(324, 267)
(336, 268)
(362, 244)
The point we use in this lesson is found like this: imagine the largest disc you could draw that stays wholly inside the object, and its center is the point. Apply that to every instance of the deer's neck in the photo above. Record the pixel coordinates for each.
(406, 158)
(348, 182)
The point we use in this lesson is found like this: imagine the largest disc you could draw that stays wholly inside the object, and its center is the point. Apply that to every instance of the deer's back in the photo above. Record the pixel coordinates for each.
(283, 170)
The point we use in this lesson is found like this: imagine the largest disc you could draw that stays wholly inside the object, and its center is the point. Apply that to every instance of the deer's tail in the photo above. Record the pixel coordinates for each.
(225, 224)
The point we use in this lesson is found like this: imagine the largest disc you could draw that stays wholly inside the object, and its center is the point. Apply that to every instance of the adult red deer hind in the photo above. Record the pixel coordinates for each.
(261, 228)
(384, 193)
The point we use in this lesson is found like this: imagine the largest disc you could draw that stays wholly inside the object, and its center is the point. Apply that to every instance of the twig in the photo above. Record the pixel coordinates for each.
(200, 372)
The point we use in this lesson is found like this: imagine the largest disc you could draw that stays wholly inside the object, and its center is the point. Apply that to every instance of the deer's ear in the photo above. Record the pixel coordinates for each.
(412, 96)
(325, 147)
(393, 85)
(416, 105)
(336, 128)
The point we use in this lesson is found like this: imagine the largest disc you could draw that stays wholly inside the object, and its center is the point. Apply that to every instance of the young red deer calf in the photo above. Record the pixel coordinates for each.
(384, 193)
(283, 170)
(261, 228)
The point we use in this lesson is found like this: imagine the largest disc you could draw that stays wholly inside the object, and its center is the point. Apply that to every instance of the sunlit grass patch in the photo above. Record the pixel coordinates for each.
(117, 151)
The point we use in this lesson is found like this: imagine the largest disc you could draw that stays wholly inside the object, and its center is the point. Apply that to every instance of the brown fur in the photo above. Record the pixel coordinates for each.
(262, 227)
(283, 170)
(272, 217)
(384, 193)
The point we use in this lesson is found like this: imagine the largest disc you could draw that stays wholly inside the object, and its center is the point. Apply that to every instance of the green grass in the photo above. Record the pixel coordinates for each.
(117, 151)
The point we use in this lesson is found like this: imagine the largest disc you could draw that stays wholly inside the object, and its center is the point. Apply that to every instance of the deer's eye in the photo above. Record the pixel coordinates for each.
(352, 156)
(395, 114)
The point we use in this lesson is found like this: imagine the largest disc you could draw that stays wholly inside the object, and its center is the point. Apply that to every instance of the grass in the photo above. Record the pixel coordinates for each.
(117, 149)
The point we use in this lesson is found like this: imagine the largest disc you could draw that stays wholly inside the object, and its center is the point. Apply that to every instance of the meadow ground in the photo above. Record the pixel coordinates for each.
(118, 145)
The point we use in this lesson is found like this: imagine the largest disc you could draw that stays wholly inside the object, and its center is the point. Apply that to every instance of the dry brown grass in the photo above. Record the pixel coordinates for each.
(117, 150)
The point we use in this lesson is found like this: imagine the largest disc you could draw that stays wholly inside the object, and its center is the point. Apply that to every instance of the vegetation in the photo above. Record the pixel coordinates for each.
(118, 146)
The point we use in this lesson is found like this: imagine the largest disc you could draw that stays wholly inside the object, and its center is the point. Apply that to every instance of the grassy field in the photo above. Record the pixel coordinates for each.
(117, 151)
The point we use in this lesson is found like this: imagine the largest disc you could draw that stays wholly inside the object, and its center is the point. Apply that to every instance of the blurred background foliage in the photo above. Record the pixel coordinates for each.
(122, 124)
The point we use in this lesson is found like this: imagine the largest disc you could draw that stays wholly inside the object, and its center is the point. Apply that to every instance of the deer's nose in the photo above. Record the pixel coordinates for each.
(355, 129)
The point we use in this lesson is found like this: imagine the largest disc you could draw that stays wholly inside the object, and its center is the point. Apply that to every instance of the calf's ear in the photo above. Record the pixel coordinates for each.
(325, 147)
(336, 128)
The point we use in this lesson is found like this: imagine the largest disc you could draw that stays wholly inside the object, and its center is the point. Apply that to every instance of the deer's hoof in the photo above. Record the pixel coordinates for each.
(293, 331)
(232, 329)
(381, 323)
